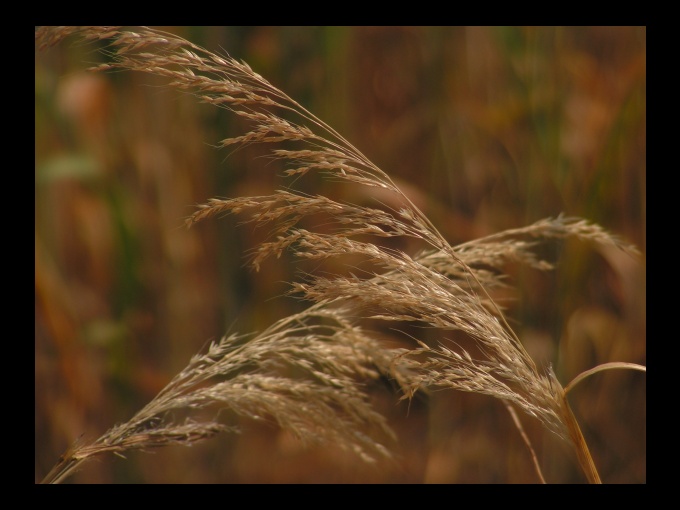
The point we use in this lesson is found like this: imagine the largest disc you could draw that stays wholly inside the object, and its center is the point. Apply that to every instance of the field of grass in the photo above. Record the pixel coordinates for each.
(483, 128)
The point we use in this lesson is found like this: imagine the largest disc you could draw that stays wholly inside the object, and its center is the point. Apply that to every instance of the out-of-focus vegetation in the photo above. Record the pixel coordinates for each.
(484, 128)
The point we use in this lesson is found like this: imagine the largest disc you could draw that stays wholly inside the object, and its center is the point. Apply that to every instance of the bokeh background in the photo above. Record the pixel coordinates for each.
(485, 128)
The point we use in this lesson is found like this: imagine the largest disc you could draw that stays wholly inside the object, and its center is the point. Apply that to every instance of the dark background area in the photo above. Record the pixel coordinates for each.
(485, 128)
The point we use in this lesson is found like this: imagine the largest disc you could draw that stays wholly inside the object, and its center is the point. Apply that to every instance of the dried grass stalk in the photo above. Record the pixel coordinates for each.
(444, 287)
(322, 402)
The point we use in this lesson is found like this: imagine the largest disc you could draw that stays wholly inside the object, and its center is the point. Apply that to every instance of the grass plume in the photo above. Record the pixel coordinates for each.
(252, 377)
(443, 287)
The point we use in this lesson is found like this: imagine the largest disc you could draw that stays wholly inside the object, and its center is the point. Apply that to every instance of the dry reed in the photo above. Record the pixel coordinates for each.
(443, 287)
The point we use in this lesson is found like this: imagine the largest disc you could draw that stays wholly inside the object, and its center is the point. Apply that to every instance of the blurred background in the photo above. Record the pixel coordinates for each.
(485, 128)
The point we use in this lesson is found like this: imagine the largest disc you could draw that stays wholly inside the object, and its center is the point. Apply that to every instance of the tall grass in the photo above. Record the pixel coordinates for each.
(363, 266)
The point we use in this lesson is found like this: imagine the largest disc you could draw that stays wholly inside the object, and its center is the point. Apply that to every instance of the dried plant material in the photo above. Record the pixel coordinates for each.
(251, 377)
(444, 287)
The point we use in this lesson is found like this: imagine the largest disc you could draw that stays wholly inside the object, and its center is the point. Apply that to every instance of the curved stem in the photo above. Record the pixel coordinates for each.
(600, 368)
